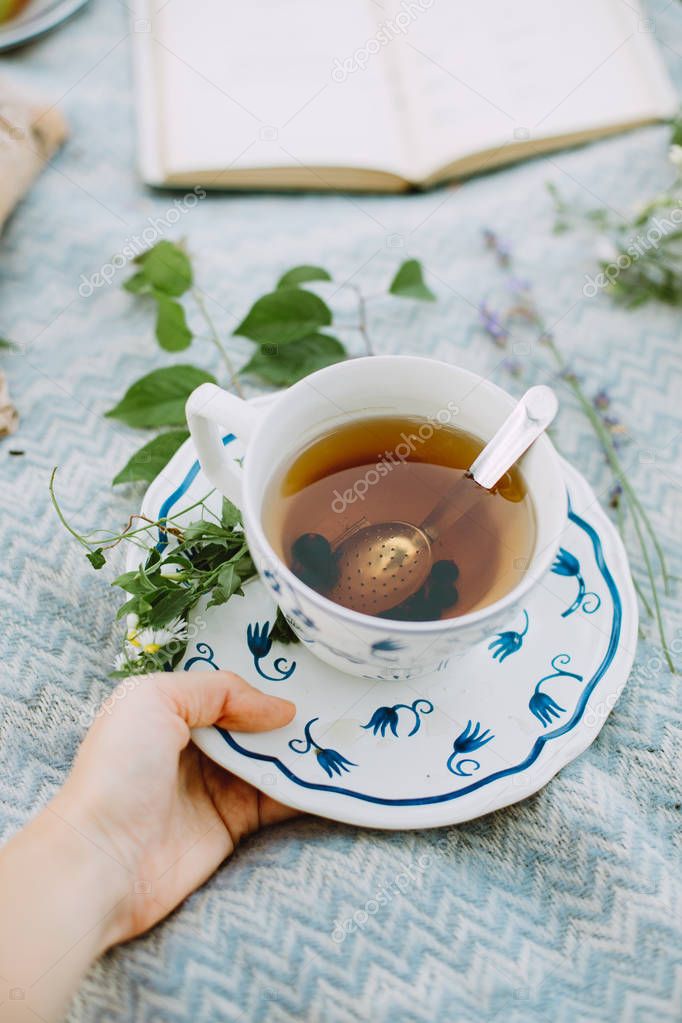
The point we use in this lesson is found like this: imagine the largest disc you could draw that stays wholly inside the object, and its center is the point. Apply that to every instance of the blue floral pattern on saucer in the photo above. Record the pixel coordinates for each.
(388, 717)
(328, 759)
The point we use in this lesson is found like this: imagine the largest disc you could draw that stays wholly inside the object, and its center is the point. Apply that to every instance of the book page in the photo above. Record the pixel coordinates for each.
(273, 84)
(493, 74)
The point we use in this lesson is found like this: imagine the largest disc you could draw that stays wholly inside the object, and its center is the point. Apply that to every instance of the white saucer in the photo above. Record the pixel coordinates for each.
(487, 729)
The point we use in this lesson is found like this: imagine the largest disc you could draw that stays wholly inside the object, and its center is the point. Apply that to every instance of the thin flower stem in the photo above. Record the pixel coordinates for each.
(635, 507)
(654, 594)
(215, 338)
(362, 316)
(126, 533)
(620, 518)
(611, 455)
(63, 521)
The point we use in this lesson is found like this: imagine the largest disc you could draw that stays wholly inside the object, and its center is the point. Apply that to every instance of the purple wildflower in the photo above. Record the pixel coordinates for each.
(513, 367)
(501, 249)
(518, 285)
(492, 324)
(570, 376)
(615, 494)
(602, 400)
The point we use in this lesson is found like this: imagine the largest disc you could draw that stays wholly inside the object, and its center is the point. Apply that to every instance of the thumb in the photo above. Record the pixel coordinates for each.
(203, 698)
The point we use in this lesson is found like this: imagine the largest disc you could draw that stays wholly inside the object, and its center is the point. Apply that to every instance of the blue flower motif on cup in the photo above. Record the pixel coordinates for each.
(272, 580)
(259, 642)
(567, 564)
(508, 643)
(304, 620)
(386, 650)
(541, 704)
(206, 656)
(328, 759)
(295, 611)
(468, 741)
(388, 717)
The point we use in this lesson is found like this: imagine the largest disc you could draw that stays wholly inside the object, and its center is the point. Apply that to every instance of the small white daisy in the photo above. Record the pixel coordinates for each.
(150, 641)
(124, 661)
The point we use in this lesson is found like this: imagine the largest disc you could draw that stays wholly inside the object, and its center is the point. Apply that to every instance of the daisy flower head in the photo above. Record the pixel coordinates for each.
(150, 641)
(124, 663)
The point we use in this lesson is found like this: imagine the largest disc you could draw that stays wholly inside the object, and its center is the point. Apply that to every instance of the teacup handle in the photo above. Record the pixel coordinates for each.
(210, 411)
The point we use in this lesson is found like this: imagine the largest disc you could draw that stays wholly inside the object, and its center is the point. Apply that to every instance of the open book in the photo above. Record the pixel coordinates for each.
(382, 96)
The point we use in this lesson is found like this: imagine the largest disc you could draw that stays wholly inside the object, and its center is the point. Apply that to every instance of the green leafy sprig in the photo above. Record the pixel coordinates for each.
(288, 326)
(641, 255)
(207, 558)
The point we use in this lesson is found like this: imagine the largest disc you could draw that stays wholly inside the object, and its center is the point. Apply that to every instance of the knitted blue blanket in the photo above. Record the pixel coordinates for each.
(565, 907)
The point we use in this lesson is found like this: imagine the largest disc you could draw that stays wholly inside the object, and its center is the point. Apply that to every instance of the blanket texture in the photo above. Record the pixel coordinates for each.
(566, 907)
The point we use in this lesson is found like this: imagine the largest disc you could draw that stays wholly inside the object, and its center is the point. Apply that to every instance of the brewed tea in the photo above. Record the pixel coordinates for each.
(385, 469)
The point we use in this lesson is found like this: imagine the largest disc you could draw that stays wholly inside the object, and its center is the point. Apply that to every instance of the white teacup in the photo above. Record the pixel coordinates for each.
(379, 386)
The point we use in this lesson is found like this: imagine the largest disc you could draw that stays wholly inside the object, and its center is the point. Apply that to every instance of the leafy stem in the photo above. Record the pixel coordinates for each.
(53, 497)
(620, 519)
(115, 537)
(362, 324)
(215, 338)
(205, 558)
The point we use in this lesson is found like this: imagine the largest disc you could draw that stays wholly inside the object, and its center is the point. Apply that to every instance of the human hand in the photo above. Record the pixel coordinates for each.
(165, 814)
(142, 820)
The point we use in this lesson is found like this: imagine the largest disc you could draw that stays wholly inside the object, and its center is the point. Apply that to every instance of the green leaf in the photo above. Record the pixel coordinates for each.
(137, 583)
(409, 282)
(230, 515)
(127, 580)
(172, 604)
(147, 463)
(158, 399)
(138, 284)
(167, 268)
(136, 605)
(96, 558)
(229, 580)
(281, 631)
(172, 331)
(285, 365)
(4, 343)
(285, 315)
(301, 274)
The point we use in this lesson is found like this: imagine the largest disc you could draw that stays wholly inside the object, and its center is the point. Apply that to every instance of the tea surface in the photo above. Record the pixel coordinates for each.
(386, 469)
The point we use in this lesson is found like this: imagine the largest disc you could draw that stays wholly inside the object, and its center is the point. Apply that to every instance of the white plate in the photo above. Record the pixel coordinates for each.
(487, 729)
(38, 17)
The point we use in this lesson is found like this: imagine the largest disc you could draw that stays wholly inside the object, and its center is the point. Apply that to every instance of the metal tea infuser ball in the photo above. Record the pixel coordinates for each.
(381, 565)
